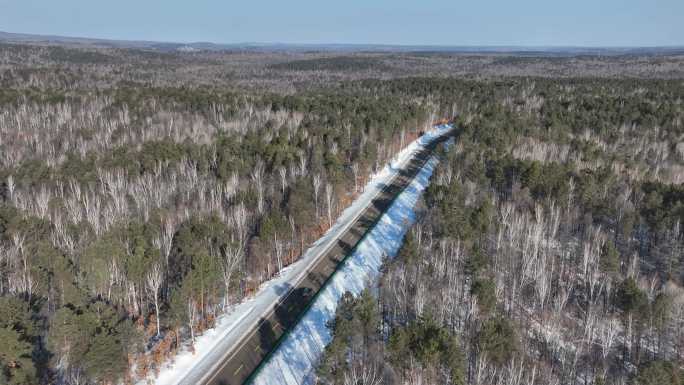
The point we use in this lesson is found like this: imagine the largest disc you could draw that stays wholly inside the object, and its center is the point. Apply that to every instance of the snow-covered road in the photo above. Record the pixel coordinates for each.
(215, 345)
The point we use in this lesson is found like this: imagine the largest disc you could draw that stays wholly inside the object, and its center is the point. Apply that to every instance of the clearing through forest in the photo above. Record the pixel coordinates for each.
(229, 353)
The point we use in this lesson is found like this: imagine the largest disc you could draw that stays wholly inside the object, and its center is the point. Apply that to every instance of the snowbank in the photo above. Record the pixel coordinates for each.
(294, 361)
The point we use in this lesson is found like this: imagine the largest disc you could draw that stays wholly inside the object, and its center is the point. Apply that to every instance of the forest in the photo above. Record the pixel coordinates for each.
(144, 193)
(549, 249)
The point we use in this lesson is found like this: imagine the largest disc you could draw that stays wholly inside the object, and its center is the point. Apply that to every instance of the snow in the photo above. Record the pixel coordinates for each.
(294, 361)
(213, 345)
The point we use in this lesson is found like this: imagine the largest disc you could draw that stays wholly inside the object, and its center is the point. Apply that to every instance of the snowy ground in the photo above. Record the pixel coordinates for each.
(216, 343)
(294, 361)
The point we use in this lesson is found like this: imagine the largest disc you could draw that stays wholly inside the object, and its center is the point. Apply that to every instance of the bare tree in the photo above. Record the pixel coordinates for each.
(192, 314)
(232, 256)
(165, 239)
(42, 200)
(278, 245)
(4, 260)
(317, 188)
(329, 202)
(363, 375)
(258, 179)
(302, 163)
(355, 172)
(21, 278)
(609, 331)
(11, 186)
(239, 220)
(92, 206)
(154, 280)
(115, 277)
(283, 179)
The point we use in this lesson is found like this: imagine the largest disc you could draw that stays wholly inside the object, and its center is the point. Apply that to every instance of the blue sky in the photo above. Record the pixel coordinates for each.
(433, 22)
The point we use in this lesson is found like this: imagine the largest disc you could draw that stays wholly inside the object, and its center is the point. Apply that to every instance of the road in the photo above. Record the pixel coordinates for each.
(258, 328)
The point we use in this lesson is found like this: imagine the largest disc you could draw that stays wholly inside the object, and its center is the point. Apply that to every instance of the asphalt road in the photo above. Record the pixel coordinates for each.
(244, 358)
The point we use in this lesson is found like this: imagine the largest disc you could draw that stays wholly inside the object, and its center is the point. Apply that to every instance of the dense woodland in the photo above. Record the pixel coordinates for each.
(143, 193)
(132, 216)
(549, 249)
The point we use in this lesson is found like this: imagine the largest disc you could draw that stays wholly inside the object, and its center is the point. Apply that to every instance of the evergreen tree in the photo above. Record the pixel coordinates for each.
(15, 359)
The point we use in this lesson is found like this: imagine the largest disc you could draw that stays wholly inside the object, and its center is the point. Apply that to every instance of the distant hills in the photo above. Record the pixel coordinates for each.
(21, 38)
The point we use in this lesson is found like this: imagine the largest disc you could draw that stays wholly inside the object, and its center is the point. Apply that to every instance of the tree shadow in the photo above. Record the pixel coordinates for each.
(287, 311)
(345, 246)
(318, 279)
(267, 336)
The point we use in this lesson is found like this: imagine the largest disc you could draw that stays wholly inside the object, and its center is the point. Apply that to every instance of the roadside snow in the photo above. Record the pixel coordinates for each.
(190, 368)
(294, 361)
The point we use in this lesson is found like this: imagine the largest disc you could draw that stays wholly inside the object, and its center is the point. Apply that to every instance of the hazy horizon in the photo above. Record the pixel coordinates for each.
(332, 44)
(531, 23)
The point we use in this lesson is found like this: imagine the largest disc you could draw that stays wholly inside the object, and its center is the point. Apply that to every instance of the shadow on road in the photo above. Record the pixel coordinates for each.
(288, 311)
(267, 336)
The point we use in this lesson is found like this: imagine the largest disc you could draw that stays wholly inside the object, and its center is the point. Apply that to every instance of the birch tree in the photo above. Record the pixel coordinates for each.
(317, 188)
(11, 186)
(192, 314)
(283, 179)
(355, 172)
(258, 179)
(329, 202)
(232, 257)
(154, 281)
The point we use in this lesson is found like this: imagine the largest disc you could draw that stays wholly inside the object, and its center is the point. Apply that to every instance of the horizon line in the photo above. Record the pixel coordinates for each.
(27, 36)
